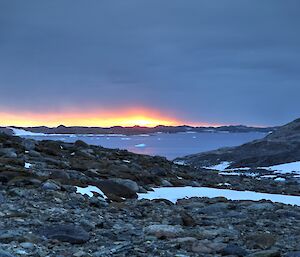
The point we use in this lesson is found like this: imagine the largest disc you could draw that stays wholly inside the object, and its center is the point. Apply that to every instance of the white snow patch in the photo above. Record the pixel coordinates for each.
(180, 163)
(174, 193)
(223, 167)
(27, 165)
(280, 179)
(268, 176)
(89, 190)
(126, 161)
(230, 173)
(248, 174)
(23, 132)
(140, 145)
(224, 184)
(220, 167)
(285, 168)
(244, 168)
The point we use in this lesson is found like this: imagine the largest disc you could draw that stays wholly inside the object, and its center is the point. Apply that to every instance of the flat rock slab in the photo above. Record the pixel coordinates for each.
(65, 233)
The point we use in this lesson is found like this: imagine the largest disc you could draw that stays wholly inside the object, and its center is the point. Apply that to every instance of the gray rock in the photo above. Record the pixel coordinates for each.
(132, 185)
(266, 253)
(8, 152)
(164, 231)
(113, 250)
(261, 206)
(2, 198)
(66, 233)
(51, 185)
(233, 249)
(29, 144)
(206, 247)
(33, 153)
(165, 183)
(293, 254)
(27, 245)
(98, 201)
(214, 208)
(112, 189)
(7, 237)
(5, 254)
(80, 254)
(261, 240)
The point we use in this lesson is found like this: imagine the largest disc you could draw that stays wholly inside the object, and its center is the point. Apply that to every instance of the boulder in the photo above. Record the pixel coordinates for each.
(114, 190)
(132, 185)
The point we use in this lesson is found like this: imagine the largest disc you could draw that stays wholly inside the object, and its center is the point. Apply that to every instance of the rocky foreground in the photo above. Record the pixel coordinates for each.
(43, 215)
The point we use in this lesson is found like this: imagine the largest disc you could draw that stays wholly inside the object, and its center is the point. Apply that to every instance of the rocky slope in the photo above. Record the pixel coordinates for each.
(281, 146)
(43, 215)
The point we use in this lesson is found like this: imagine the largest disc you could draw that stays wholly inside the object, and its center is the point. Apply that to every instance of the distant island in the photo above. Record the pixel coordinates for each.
(137, 130)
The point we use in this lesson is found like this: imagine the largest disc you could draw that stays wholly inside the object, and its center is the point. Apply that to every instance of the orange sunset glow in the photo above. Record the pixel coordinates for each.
(98, 119)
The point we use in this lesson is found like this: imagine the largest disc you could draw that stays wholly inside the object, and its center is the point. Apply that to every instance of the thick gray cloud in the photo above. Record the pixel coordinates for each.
(233, 61)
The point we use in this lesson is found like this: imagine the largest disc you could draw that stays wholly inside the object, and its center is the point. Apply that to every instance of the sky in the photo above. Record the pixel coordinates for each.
(195, 62)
